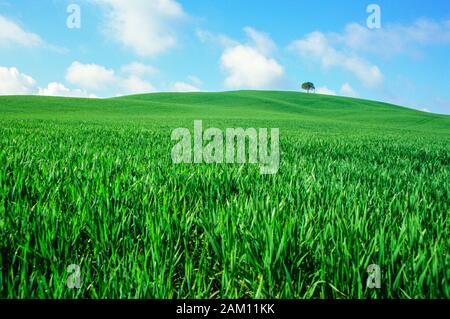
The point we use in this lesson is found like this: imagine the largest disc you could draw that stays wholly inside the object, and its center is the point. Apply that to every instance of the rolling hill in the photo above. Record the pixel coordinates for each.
(238, 104)
(91, 182)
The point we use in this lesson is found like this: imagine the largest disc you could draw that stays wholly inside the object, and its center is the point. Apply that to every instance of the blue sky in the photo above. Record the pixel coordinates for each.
(134, 46)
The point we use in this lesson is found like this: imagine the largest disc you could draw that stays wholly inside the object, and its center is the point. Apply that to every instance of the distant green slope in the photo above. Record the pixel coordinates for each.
(256, 105)
(92, 182)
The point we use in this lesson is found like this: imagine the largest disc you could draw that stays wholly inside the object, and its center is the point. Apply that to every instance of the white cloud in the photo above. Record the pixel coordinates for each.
(85, 76)
(426, 110)
(134, 84)
(343, 50)
(58, 89)
(12, 34)
(316, 46)
(136, 68)
(394, 39)
(250, 65)
(145, 26)
(193, 85)
(347, 90)
(98, 77)
(248, 68)
(325, 90)
(12, 82)
(184, 87)
(261, 41)
(90, 76)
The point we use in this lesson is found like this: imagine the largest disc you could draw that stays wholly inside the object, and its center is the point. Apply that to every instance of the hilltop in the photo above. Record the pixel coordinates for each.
(252, 105)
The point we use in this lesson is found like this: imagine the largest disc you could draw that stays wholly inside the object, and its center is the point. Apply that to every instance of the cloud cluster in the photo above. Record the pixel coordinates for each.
(250, 65)
(317, 46)
(98, 77)
(346, 90)
(134, 84)
(86, 77)
(248, 68)
(58, 89)
(13, 82)
(90, 76)
(394, 39)
(344, 50)
(144, 26)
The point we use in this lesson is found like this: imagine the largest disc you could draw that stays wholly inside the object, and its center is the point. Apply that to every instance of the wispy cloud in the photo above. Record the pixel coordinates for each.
(137, 68)
(316, 46)
(394, 39)
(11, 33)
(347, 90)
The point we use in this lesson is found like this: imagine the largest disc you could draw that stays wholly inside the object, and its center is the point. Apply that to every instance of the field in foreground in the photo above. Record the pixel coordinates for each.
(91, 182)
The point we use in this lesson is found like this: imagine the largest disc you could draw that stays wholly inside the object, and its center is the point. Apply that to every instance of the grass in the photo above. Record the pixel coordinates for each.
(91, 182)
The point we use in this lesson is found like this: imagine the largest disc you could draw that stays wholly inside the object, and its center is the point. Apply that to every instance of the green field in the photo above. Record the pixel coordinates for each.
(91, 182)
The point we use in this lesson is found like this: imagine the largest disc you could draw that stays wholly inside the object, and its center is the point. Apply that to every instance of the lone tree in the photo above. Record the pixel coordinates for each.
(308, 86)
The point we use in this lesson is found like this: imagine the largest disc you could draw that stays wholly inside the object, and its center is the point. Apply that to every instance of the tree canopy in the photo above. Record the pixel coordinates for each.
(308, 86)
